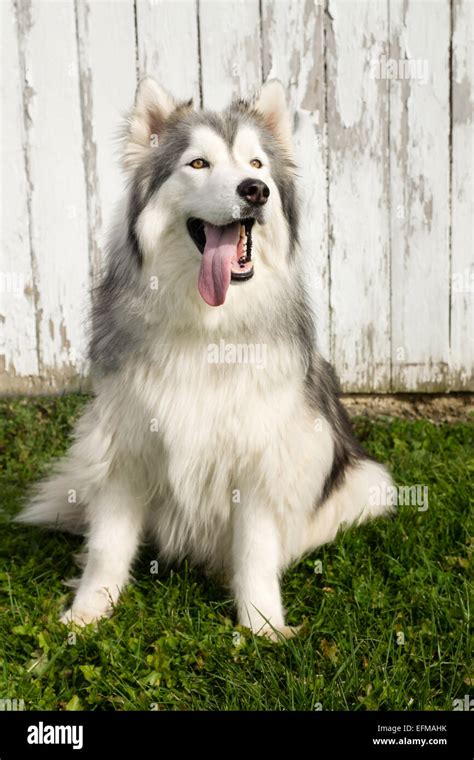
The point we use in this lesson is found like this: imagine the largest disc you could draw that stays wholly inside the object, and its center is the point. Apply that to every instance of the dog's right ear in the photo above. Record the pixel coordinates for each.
(153, 106)
(271, 104)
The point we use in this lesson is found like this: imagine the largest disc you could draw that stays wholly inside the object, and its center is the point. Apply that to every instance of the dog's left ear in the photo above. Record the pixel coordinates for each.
(271, 103)
(153, 107)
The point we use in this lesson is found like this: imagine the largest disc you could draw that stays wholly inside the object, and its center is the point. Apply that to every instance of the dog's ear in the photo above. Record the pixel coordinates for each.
(153, 106)
(271, 104)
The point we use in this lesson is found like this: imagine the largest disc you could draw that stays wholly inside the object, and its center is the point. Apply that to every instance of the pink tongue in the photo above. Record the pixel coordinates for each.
(215, 272)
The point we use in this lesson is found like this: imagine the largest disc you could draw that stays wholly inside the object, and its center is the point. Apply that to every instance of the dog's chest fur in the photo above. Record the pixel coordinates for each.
(216, 433)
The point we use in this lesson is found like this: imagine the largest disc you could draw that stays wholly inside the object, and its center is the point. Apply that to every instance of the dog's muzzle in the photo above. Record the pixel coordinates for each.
(242, 268)
(226, 256)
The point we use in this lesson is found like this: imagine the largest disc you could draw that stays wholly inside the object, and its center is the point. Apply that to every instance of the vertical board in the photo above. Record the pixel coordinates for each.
(381, 92)
(293, 51)
(107, 78)
(230, 50)
(358, 194)
(18, 345)
(419, 169)
(462, 198)
(53, 146)
(168, 45)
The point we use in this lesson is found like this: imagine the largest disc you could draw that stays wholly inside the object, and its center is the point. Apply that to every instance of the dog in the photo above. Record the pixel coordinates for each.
(241, 466)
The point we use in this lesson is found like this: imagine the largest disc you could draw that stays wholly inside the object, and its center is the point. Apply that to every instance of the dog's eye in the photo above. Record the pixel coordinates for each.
(256, 163)
(199, 163)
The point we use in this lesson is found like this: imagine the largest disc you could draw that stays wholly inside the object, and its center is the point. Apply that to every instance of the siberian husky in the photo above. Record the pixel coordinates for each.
(241, 465)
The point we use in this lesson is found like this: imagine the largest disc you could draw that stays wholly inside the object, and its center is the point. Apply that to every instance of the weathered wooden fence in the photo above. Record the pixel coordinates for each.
(382, 96)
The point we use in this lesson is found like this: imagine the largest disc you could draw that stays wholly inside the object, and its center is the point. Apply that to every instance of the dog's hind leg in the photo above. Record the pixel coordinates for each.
(115, 520)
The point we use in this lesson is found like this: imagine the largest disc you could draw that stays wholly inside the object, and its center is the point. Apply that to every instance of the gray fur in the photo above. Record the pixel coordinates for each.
(322, 390)
(174, 141)
(117, 323)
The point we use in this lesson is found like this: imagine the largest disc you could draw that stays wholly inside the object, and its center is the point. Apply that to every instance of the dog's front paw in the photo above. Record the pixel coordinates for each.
(81, 617)
(280, 634)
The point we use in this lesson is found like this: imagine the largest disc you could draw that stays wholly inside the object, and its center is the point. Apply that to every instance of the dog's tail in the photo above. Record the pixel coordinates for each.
(60, 502)
(56, 504)
(366, 493)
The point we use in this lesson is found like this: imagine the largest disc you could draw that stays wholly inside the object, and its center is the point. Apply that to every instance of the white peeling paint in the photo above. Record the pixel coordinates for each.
(386, 167)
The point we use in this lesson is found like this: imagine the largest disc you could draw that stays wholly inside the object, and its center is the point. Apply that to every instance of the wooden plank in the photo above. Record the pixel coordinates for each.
(230, 50)
(107, 71)
(168, 45)
(293, 51)
(462, 199)
(18, 344)
(357, 116)
(409, 306)
(419, 170)
(56, 176)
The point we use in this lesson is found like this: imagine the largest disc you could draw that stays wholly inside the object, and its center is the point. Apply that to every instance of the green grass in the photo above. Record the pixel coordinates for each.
(173, 643)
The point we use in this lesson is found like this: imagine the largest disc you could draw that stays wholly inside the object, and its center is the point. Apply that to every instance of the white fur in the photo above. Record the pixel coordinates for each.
(150, 99)
(272, 103)
(222, 463)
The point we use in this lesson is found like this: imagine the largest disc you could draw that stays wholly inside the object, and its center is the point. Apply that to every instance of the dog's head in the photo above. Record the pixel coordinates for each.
(211, 192)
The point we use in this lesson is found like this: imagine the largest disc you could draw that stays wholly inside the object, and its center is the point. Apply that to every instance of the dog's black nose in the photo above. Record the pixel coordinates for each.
(254, 191)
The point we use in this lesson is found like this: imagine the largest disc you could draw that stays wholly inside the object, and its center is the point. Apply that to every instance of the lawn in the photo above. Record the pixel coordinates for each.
(385, 608)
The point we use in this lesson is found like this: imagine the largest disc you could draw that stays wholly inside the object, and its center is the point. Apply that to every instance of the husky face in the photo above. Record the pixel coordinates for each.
(206, 185)
(219, 183)
(221, 190)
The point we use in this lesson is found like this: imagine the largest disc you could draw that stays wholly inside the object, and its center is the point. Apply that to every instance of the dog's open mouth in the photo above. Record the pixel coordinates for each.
(226, 255)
